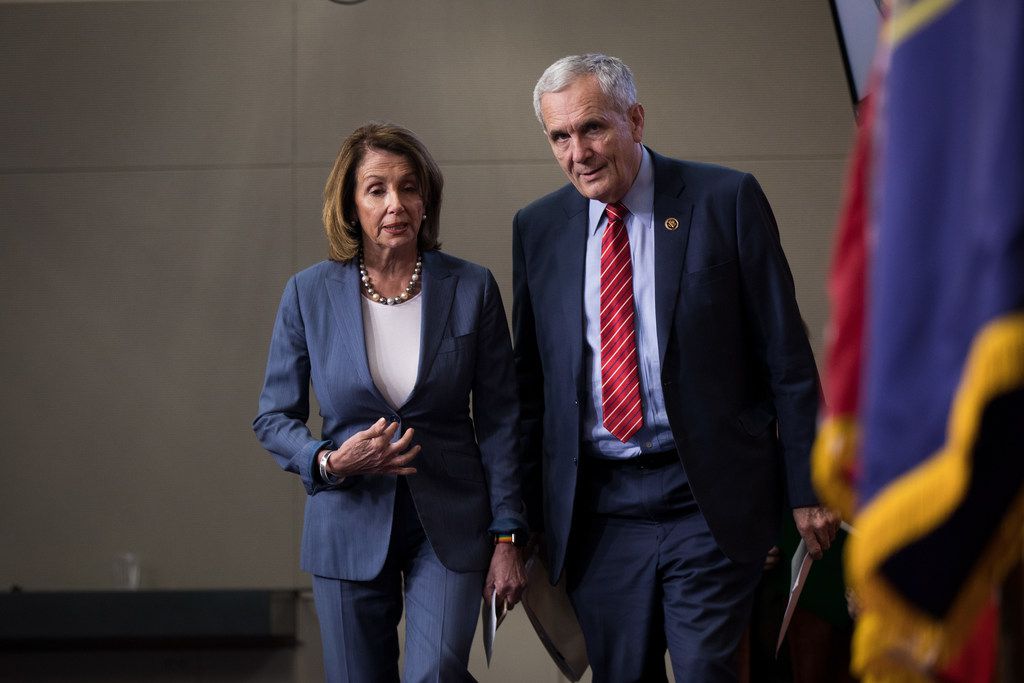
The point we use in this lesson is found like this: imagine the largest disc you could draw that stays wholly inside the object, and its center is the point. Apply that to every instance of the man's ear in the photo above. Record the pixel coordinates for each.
(636, 121)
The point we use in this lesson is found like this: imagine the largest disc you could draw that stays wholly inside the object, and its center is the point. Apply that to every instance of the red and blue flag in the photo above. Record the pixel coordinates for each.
(938, 472)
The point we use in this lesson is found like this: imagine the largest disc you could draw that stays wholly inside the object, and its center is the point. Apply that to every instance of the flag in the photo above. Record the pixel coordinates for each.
(836, 452)
(976, 661)
(939, 467)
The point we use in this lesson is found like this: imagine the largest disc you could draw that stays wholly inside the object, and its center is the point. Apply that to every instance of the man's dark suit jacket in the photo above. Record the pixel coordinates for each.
(738, 375)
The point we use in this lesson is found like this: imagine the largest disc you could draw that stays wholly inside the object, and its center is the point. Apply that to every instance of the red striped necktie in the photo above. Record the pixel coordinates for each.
(620, 380)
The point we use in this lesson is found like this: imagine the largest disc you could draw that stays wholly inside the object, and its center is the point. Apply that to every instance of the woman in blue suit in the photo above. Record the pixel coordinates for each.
(409, 496)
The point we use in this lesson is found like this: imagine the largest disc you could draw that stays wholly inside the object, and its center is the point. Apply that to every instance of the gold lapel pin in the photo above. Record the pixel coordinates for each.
(671, 223)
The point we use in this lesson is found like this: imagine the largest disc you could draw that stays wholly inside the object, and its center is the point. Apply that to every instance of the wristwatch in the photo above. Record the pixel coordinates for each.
(518, 538)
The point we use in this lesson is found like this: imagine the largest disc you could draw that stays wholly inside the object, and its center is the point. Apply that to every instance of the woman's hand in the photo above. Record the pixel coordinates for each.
(371, 452)
(506, 577)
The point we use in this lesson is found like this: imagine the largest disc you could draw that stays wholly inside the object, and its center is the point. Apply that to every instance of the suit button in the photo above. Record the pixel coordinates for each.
(574, 460)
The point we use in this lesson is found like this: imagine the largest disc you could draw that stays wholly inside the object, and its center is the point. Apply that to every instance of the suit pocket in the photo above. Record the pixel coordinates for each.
(756, 421)
(706, 276)
(450, 344)
(462, 465)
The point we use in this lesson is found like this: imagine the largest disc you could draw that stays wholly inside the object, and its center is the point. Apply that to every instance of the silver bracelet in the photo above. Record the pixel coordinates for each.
(324, 474)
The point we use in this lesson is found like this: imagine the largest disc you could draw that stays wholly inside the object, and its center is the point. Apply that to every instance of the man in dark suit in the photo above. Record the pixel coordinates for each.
(668, 389)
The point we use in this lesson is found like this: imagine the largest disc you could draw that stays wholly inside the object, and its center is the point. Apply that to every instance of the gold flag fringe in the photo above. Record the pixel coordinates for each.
(894, 641)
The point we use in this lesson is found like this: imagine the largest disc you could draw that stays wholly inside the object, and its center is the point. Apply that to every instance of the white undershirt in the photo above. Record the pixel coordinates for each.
(392, 338)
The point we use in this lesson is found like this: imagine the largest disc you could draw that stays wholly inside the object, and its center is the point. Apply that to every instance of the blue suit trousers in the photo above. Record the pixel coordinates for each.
(644, 575)
(359, 619)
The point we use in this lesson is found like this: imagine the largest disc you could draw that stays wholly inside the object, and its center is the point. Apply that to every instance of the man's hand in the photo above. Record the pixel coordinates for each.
(817, 526)
(507, 575)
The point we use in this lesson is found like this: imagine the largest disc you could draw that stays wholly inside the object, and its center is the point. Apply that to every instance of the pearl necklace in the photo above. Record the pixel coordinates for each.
(374, 295)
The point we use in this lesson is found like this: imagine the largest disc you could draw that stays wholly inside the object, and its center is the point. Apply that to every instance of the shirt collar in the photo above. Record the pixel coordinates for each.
(640, 198)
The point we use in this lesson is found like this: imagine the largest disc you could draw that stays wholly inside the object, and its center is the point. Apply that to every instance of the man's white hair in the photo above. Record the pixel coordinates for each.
(614, 77)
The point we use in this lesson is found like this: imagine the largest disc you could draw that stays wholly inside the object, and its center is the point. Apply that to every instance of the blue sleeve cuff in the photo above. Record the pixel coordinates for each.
(314, 469)
(506, 525)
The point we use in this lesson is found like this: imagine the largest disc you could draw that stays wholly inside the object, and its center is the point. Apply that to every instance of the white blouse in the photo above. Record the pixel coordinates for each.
(392, 338)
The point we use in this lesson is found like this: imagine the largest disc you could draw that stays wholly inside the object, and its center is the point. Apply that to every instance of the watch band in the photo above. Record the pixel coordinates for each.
(517, 538)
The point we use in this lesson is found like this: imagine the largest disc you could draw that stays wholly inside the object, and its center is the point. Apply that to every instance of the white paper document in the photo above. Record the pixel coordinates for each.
(800, 565)
(491, 616)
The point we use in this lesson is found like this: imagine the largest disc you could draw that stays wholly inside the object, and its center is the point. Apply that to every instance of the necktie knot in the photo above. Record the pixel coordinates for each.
(616, 211)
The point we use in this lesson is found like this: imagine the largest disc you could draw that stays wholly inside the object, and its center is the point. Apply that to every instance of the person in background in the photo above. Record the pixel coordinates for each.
(668, 389)
(408, 496)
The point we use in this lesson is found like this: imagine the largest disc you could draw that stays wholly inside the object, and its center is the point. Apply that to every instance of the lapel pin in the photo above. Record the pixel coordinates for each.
(671, 223)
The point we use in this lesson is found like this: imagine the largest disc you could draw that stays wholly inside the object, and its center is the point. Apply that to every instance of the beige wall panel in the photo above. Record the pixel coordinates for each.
(125, 84)
(480, 202)
(724, 79)
(137, 310)
(518, 654)
(310, 240)
(740, 80)
(443, 68)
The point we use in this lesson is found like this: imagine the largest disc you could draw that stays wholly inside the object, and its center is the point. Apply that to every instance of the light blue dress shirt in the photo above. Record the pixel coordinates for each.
(655, 435)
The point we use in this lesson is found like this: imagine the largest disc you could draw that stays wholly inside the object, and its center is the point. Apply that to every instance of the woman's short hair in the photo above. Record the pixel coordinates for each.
(343, 233)
(614, 77)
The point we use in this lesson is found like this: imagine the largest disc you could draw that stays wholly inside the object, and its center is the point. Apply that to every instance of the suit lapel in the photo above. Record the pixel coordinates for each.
(438, 293)
(671, 207)
(570, 247)
(343, 289)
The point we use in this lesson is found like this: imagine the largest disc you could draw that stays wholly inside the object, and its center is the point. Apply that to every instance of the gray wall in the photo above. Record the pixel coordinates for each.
(161, 165)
